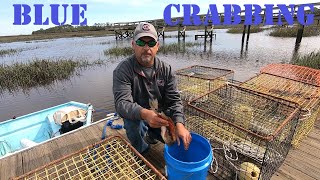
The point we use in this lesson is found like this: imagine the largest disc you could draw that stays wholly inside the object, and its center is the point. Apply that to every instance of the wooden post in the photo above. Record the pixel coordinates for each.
(205, 34)
(184, 33)
(295, 53)
(264, 17)
(210, 33)
(243, 35)
(205, 48)
(184, 46)
(220, 16)
(299, 34)
(163, 35)
(164, 44)
(248, 35)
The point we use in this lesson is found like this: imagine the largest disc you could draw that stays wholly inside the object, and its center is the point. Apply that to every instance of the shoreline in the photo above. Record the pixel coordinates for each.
(31, 37)
(279, 32)
(18, 38)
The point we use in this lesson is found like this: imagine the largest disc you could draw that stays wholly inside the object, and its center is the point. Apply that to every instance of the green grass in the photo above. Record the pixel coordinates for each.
(310, 60)
(165, 49)
(118, 51)
(7, 52)
(176, 47)
(239, 30)
(40, 72)
(292, 31)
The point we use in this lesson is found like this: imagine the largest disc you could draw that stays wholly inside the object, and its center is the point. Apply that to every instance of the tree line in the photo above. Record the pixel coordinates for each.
(70, 28)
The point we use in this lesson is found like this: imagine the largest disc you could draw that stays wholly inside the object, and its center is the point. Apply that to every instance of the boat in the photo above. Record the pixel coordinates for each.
(29, 130)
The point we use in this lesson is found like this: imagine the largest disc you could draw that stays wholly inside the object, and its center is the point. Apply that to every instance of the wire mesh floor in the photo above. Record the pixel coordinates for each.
(112, 158)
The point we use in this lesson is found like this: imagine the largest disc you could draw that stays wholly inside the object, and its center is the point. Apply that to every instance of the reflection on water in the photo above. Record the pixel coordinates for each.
(295, 52)
(94, 85)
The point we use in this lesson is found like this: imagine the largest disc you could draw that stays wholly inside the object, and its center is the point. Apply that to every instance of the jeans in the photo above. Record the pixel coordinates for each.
(136, 131)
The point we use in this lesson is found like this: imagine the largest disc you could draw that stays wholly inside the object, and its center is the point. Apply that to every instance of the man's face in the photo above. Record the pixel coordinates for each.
(145, 54)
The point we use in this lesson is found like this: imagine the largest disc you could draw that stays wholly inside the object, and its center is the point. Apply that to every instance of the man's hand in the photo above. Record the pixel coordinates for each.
(184, 134)
(153, 119)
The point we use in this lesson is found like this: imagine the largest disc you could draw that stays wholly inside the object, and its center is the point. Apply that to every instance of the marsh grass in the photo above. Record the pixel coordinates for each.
(8, 52)
(310, 60)
(104, 43)
(308, 31)
(239, 30)
(164, 49)
(118, 51)
(177, 48)
(40, 72)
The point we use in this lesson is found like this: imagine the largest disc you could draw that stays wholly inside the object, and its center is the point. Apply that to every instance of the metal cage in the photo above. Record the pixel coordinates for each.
(112, 158)
(299, 73)
(248, 131)
(197, 80)
(304, 94)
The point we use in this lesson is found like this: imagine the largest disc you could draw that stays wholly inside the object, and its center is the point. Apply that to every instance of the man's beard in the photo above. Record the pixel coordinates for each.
(146, 59)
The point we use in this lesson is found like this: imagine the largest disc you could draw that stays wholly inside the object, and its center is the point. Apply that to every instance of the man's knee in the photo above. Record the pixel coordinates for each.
(135, 129)
(130, 124)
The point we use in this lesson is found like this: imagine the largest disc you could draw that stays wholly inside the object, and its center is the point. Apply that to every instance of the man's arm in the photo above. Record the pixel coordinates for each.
(172, 98)
(123, 94)
(175, 105)
(124, 103)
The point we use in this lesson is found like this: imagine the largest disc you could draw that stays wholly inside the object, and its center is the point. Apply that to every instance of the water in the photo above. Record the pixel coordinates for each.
(94, 85)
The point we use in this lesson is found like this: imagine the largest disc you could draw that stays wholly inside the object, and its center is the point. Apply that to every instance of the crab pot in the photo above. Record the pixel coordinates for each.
(197, 80)
(250, 132)
(299, 73)
(112, 158)
(293, 83)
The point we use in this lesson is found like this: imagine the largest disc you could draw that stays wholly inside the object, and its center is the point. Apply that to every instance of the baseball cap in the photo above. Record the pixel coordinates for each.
(145, 29)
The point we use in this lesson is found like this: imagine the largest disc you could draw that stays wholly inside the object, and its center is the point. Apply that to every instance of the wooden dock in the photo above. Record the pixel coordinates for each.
(301, 163)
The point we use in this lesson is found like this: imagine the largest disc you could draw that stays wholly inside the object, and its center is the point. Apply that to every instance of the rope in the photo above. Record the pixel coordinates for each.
(305, 116)
(111, 117)
(230, 159)
(228, 156)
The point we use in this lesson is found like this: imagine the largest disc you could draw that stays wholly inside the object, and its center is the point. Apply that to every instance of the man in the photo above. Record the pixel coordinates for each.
(143, 77)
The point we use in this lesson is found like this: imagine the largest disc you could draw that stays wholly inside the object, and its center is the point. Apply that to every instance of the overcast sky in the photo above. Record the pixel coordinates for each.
(102, 11)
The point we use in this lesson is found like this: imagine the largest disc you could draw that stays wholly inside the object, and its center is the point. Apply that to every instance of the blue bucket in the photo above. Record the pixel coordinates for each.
(191, 164)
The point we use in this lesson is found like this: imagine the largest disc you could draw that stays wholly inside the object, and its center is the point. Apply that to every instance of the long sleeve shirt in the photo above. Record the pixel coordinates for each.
(132, 90)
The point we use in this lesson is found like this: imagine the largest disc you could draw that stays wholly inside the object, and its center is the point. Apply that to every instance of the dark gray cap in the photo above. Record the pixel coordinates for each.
(145, 29)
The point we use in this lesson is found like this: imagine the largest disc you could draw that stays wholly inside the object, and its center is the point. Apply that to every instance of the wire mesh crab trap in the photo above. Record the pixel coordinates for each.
(197, 80)
(294, 72)
(250, 132)
(112, 158)
(304, 94)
